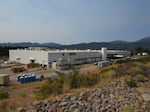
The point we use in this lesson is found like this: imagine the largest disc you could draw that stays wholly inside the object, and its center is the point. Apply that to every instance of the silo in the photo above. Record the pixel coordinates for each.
(104, 53)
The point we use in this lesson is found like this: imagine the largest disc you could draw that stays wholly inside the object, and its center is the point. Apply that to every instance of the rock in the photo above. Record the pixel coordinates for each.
(21, 109)
(62, 104)
(73, 98)
(76, 110)
(40, 110)
(36, 103)
(81, 94)
(53, 107)
(110, 98)
(146, 96)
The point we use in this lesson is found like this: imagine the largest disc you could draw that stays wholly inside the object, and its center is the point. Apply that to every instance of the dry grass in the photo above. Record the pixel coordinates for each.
(42, 71)
(84, 65)
(147, 65)
(110, 67)
(142, 89)
(22, 94)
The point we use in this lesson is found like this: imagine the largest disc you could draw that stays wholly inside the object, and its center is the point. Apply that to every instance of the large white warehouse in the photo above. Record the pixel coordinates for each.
(46, 57)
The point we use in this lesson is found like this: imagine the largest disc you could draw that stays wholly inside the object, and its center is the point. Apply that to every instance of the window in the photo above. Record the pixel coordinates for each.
(72, 53)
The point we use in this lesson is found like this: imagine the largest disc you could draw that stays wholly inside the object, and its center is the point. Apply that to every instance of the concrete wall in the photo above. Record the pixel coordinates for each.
(24, 56)
(78, 56)
(49, 56)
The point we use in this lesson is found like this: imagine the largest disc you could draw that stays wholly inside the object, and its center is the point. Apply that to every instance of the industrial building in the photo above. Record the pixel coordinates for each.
(47, 57)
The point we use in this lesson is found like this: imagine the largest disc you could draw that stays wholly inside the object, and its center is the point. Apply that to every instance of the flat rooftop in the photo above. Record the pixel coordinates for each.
(67, 50)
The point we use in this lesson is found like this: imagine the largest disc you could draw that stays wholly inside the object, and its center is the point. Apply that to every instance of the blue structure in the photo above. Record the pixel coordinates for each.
(25, 78)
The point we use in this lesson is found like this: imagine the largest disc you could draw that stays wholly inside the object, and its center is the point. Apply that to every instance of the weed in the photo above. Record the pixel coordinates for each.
(4, 95)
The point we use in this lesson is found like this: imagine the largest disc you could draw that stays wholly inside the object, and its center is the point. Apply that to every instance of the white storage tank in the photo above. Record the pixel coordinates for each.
(104, 53)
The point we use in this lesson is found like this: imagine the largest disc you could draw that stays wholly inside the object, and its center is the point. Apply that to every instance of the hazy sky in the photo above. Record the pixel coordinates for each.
(73, 21)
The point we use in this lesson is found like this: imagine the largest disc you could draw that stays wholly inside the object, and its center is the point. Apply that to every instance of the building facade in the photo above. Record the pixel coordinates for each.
(47, 57)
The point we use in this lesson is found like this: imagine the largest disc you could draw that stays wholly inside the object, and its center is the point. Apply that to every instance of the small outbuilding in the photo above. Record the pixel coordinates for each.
(4, 79)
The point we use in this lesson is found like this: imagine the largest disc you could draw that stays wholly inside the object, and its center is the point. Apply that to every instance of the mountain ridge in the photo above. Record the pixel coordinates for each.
(117, 44)
(30, 44)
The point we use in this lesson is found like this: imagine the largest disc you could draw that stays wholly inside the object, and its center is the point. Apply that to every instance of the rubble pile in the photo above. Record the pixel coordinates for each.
(112, 97)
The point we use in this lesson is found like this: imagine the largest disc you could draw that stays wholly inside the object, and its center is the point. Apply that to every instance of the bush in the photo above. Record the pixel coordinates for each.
(22, 94)
(74, 79)
(127, 109)
(108, 73)
(71, 81)
(123, 69)
(77, 81)
(51, 87)
(4, 95)
(57, 86)
(134, 70)
(139, 64)
(140, 77)
(131, 83)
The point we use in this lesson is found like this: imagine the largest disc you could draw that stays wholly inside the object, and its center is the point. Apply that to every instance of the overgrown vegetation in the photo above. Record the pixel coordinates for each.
(131, 83)
(134, 71)
(134, 67)
(4, 95)
(108, 73)
(22, 94)
(127, 108)
(140, 77)
(143, 59)
(71, 81)
(4, 106)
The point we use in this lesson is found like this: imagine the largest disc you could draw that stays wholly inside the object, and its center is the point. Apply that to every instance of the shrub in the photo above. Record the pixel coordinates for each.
(77, 81)
(92, 80)
(57, 86)
(74, 79)
(131, 83)
(127, 109)
(140, 77)
(139, 64)
(123, 69)
(44, 91)
(108, 73)
(134, 70)
(51, 87)
(4, 95)
(71, 81)
(22, 94)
